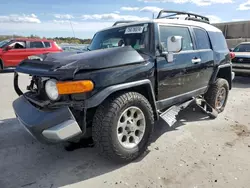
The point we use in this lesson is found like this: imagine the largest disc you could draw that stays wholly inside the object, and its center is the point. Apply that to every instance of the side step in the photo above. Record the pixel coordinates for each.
(169, 116)
(206, 108)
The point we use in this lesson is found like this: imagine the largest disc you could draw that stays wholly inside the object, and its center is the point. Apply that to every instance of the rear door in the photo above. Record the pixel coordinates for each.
(206, 65)
(178, 80)
(35, 48)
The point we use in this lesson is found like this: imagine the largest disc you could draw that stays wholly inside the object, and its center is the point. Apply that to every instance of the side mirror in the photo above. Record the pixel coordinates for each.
(174, 45)
(7, 48)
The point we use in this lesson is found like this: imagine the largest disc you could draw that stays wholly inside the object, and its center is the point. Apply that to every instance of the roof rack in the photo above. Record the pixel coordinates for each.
(190, 16)
(123, 22)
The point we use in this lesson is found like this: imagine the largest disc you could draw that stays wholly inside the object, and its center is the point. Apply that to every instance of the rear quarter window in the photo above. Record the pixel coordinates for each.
(218, 41)
(47, 44)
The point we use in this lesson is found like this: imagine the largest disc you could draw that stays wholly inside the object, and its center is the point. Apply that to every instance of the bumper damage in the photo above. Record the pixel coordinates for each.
(50, 126)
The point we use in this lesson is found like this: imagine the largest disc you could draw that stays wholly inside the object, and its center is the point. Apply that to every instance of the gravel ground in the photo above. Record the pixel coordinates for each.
(196, 152)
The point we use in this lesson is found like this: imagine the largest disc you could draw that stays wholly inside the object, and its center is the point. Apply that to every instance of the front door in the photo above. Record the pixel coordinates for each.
(177, 80)
(15, 54)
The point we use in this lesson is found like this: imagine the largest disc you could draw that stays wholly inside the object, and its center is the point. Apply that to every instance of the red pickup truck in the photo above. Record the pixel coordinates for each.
(13, 51)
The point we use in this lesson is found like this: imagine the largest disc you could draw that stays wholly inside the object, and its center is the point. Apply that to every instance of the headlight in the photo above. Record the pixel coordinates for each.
(51, 89)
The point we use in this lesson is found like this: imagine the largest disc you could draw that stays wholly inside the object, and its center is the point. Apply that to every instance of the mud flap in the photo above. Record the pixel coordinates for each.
(169, 116)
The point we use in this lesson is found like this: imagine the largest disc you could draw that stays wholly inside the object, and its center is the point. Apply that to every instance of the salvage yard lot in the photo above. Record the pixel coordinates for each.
(196, 152)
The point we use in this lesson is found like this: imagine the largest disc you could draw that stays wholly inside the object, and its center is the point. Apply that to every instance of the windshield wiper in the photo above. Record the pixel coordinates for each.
(88, 49)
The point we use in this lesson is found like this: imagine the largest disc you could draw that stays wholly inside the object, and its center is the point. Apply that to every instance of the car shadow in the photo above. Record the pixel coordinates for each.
(191, 114)
(241, 82)
(28, 163)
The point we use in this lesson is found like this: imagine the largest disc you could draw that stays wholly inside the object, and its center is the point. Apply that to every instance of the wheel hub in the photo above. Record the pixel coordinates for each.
(131, 127)
(221, 98)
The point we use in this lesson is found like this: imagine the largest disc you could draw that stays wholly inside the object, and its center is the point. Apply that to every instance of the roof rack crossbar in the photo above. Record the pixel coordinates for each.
(195, 17)
(123, 22)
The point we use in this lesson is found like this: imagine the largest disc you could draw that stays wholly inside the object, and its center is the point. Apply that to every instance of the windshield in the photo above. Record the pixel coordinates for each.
(242, 48)
(136, 36)
(3, 43)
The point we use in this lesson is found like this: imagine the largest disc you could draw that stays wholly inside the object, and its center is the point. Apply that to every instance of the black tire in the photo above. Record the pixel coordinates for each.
(212, 94)
(105, 124)
(1, 65)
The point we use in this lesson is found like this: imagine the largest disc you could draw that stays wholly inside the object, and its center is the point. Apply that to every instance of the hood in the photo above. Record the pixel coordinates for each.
(242, 54)
(97, 59)
(73, 61)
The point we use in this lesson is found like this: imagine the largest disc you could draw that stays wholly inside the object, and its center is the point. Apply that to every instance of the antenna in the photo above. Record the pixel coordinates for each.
(72, 28)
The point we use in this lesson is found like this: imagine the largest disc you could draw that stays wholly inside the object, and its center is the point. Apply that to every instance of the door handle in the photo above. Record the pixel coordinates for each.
(196, 60)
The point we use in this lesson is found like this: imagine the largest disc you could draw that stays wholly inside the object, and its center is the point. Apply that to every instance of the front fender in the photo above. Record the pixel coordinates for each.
(98, 98)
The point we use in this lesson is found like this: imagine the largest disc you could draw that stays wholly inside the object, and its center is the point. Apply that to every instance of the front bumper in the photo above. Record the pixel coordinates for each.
(241, 68)
(50, 126)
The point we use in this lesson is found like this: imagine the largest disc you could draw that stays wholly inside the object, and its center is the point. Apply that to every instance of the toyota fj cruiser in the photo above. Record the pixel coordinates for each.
(132, 74)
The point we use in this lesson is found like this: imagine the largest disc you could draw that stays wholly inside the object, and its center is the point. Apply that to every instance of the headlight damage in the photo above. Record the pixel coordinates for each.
(53, 88)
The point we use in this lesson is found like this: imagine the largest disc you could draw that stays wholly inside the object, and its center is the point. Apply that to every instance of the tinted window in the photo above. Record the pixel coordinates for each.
(242, 48)
(36, 44)
(47, 44)
(218, 41)
(202, 39)
(168, 31)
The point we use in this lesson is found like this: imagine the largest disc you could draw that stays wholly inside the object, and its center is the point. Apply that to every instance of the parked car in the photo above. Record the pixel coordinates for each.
(115, 92)
(13, 51)
(74, 48)
(241, 61)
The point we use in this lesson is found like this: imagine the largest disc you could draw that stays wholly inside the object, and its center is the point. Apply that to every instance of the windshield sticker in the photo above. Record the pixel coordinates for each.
(137, 29)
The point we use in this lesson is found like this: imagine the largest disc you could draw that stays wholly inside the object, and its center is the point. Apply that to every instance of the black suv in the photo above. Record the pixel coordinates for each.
(132, 73)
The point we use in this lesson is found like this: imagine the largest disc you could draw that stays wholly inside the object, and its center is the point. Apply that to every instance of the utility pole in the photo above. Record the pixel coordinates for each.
(72, 28)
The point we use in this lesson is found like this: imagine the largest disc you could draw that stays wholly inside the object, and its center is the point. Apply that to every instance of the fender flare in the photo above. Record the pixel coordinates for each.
(98, 98)
(214, 76)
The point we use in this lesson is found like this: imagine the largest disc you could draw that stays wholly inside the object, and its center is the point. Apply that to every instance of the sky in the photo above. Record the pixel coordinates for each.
(82, 18)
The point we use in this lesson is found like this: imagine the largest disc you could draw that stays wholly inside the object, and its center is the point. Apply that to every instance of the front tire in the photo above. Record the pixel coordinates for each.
(122, 126)
(217, 94)
(1, 65)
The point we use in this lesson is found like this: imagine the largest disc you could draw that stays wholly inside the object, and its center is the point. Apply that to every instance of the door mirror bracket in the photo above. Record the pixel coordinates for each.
(169, 56)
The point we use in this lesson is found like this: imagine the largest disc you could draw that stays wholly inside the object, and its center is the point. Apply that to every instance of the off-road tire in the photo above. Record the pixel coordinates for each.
(105, 122)
(212, 93)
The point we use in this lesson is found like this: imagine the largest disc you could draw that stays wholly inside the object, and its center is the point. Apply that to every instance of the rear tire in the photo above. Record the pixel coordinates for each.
(217, 94)
(116, 131)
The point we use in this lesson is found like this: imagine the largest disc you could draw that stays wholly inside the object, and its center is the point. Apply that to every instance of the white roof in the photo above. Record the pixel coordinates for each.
(207, 27)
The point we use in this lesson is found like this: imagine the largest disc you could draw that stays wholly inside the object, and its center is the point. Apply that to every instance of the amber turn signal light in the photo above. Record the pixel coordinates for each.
(74, 87)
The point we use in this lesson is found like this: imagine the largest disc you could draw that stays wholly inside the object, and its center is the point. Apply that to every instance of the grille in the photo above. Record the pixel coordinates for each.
(241, 60)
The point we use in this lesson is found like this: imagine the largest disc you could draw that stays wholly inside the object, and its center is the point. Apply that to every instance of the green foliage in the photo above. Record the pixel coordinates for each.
(59, 40)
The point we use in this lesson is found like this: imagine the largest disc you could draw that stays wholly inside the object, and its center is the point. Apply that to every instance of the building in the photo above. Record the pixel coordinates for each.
(235, 32)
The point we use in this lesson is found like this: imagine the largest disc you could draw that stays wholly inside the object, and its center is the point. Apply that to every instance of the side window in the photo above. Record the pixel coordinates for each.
(168, 31)
(218, 41)
(47, 44)
(18, 45)
(202, 39)
(36, 44)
